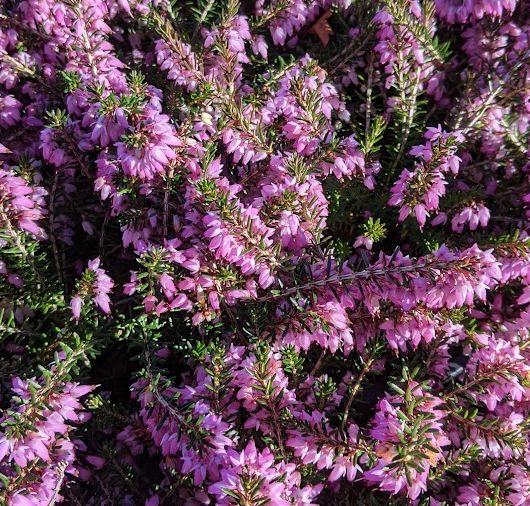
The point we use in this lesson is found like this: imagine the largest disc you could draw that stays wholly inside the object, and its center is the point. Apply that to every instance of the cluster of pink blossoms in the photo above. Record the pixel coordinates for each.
(45, 451)
(419, 191)
(271, 252)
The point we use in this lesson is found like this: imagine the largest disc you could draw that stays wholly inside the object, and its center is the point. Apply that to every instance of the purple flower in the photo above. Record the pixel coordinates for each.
(95, 283)
(149, 147)
(22, 205)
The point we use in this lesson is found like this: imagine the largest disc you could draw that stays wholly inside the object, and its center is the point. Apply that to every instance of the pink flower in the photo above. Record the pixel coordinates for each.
(419, 191)
(9, 111)
(149, 147)
(22, 204)
(75, 305)
(96, 284)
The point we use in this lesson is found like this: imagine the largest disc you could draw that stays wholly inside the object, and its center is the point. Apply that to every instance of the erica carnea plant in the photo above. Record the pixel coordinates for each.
(269, 252)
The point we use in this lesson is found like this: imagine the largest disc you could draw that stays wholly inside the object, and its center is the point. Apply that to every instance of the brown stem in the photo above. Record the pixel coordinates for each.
(365, 274)
(355, 388)
(318, 363)
(61, 467)
(51, 225)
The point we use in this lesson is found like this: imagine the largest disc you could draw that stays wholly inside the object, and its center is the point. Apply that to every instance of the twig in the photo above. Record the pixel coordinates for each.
(368, 111)
(103, 228)
(51, 225)
(364, 274)
(407, 126)
(355, 387)
(204, 15)
(61, 467)
(318, 363)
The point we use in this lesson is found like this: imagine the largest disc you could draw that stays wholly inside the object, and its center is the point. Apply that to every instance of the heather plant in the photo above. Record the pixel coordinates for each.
(270, 252)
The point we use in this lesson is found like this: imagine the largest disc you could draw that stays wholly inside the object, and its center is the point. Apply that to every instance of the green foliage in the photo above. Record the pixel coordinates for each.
(269, 14)
(56, 118)
(374, 229)
(292, 360)
(457, 461)
(202, 12)
(371, 144)
(421, 29)
(63, 368)
(272, 71)
(324, 388)
(70, 80)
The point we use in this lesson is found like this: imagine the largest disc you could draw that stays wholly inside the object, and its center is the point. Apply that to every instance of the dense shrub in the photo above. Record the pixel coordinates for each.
(264, 253)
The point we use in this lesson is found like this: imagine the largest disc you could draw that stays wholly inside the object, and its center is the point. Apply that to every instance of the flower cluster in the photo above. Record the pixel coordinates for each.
(96, 284)
(265, 252)
(37, 452)
(23, 205)
(419, 191)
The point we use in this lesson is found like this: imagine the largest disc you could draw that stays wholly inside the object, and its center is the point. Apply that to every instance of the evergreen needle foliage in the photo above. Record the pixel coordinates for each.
(264, 252)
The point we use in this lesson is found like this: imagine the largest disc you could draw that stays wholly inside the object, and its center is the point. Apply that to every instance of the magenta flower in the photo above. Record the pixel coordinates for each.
(392, 471)
(46, 447)
(95, 284)
(9, 111)
(149, 147)
(22, 206)
(419, 191)
(246, 171)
